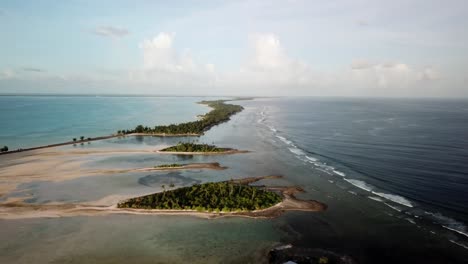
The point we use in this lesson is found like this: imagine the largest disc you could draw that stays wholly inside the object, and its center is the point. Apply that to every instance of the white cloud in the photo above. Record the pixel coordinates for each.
(113, 32)
(268, 70)
(160, 55)
(268, 52)
(7, 74)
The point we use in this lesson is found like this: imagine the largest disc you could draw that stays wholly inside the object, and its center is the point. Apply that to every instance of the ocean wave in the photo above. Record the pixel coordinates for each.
(459, 243)
(410, 220)
(296, 151)
(360, 184)
(393, 207)
(394, 198)
(272, 129)
(284, 140)
(327, 172)
(342, 174)
(449, 223)
(311, 159)
(378, 199)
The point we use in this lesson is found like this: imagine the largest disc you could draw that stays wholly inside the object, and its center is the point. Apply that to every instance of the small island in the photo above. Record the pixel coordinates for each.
(210, 197)
(228, 198)
(233, 198)
(173, 165)
(221, 113)
(193, 148)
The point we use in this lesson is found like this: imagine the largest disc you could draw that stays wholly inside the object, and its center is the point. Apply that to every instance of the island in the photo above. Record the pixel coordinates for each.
(168, 166)
(216, 196)
(221, 113)
(233, 198)
(227, 198)
(189, 148)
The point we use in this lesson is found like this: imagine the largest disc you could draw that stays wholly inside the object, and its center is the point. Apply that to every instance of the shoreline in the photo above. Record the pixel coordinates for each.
(227, 152)
(116, 135)
(95, 139)
(20, 210)
(188, 166)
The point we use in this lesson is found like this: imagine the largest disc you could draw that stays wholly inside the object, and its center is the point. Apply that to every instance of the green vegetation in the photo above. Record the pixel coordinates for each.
(220, 196)
(4, 149)
(192, 147)
(173, 165)
(221, 113)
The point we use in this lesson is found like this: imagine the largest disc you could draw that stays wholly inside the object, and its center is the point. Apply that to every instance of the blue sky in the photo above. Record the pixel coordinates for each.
(337, 48)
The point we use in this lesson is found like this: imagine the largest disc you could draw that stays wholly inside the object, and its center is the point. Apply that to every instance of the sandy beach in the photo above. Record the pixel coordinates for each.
(60, 164)
(19, 210)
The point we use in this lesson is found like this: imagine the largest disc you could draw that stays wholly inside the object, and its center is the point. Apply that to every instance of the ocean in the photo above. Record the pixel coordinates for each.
(393, 173)
(29, 121)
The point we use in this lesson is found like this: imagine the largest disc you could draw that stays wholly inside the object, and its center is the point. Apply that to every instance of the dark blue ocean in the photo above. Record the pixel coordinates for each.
(410, 154)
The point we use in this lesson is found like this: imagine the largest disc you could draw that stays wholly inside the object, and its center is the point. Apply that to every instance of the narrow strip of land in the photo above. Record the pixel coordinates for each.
(211, 166)
(221, 113)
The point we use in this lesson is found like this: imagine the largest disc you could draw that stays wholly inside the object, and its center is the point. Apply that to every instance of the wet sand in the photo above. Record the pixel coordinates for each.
(60, 164)
(188, 166)
(16, 209)
(19, 210)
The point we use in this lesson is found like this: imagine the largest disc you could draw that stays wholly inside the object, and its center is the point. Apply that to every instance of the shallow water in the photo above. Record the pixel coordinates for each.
(29, 121)
(369, 230)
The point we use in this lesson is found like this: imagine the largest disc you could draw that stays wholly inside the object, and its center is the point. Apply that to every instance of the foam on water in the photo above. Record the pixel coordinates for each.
(449, 223)
(360, 184)
(311, 159)
(288, 142)
(378, 199)
(459, 243)
(394, 198)
(393, 207)
(342, 174)
(296, 151)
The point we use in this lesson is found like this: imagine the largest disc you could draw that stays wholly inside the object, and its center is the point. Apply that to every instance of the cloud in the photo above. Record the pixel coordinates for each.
(269, 70)
(164, 66)
(362, 23)
(113, 32)
(266, 70)
(7, 74)
(32, 69)
(268, 53)
(361, 64)
(428, 74)
(270, 66)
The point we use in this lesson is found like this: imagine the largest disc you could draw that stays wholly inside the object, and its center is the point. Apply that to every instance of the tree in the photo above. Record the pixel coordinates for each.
(74, 139)
(4, 149)
(81, 138)
(139, 129)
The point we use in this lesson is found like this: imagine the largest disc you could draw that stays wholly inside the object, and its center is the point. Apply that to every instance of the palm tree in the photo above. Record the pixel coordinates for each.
(74, 139)
(82, 138)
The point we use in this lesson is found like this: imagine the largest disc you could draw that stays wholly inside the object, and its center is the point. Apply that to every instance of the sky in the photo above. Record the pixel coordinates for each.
(399, 48)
